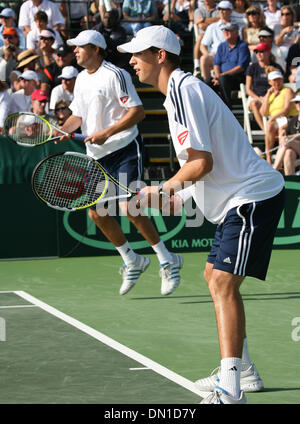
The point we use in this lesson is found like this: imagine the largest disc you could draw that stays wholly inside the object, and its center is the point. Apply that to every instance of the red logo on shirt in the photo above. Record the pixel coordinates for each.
(182, 137)
(124, 99)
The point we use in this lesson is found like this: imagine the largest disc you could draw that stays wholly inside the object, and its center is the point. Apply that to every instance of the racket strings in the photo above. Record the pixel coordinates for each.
(27, 129)
(69, 181)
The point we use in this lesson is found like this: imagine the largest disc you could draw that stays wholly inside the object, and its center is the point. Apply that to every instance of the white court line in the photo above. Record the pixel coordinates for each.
(148, 363)
(18, 306)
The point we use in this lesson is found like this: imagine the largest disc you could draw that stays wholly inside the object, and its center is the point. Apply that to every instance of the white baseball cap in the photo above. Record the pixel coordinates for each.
(225, 4)
(274, 75)
(89, 36)
(154, 36)
(47, 33)
(7, 13)
(29, 75)
(68, 72)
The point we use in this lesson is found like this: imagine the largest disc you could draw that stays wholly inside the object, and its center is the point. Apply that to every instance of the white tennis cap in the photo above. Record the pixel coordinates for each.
(225, 4)
(89, 36)
(7, 13)
(274, 74)
(29, 75)
(68, 72)
(154, 36)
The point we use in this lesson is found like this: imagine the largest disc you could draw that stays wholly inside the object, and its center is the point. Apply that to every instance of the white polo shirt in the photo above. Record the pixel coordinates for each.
(199, 119)
(101, 99)
(28, 10)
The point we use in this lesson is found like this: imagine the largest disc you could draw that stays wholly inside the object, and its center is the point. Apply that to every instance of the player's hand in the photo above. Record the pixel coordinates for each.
(149, 197)
(98, 137)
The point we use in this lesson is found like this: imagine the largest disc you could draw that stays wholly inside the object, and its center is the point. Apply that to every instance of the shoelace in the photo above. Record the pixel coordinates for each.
(168, 270)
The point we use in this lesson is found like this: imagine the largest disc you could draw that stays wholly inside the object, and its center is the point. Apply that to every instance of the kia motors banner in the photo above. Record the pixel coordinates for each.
(31, 229)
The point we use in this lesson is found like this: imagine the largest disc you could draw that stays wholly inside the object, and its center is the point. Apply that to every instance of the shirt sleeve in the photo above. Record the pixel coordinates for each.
(193, 131)
(123, 88)
(24, 18)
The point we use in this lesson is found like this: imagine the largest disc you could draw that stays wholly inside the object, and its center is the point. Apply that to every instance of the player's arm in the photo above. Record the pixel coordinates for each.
(71, 124)
(198, 164)
(133, 115)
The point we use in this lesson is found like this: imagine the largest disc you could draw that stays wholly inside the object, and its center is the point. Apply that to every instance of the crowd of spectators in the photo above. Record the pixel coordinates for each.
(234, 41)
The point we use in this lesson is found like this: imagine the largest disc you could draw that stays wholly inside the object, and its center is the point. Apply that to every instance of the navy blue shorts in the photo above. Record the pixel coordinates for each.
(125, 165)
(243, 242)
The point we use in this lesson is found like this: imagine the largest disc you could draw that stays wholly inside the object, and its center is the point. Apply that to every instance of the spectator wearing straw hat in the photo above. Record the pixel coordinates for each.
(7, 19)
(27, 60)
(66, 89)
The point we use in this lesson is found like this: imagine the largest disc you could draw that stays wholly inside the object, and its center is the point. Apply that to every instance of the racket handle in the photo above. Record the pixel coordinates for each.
(78, 137)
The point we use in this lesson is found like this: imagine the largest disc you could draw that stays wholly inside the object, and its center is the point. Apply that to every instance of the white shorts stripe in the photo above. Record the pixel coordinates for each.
(250, 237)
(240, 241)
(244, 243)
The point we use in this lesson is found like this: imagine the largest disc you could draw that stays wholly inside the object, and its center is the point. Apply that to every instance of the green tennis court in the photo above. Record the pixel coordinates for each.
(68, 337)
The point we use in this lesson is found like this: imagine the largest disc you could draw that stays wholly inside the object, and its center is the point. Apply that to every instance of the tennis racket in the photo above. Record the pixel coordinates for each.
(71, 181)
(29, 130)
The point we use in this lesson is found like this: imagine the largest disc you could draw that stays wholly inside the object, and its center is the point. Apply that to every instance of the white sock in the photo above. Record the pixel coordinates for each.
(162, 252)
(128, 255)
(196, 63)
(230, 375)
(246, 362)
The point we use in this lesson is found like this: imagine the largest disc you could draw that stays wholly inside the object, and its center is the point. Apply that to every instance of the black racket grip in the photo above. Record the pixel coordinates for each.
(78, 137)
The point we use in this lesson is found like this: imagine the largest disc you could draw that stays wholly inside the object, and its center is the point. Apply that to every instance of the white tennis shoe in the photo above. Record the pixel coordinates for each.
(132, 272)
(250, 381)
(170, 275)
(220, 396)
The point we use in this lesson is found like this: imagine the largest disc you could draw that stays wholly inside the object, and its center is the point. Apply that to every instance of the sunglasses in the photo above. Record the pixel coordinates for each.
(60, 109)
(252, 13)
(297, 103)
(286, 14)
(260, 51)
(9, 37)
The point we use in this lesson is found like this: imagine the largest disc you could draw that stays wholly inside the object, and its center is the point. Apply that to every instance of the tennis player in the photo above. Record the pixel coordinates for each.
(243, 195)
(106, 106)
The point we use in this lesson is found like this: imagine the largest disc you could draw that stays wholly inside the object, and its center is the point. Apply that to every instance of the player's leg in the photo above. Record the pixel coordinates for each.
(170, 263)
(134, 264)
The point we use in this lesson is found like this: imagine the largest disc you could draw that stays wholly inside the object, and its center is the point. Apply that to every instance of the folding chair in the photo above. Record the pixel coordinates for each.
(248, 115)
